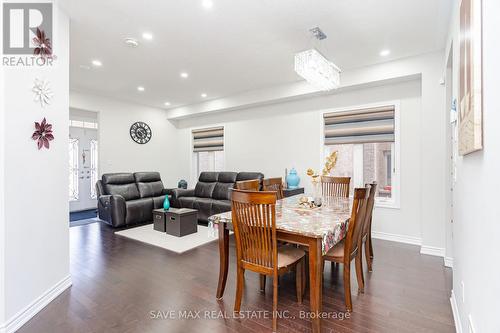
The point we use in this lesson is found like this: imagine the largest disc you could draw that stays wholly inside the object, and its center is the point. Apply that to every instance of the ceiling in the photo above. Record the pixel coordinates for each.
(237, 45)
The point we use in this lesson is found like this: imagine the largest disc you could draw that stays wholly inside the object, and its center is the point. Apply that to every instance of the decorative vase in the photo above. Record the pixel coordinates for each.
(182, 184)
(293, 180)
(166, 203)
(317, 195)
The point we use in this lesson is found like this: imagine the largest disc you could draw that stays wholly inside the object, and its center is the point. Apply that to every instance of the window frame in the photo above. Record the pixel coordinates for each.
(394, 202)
(193, 156)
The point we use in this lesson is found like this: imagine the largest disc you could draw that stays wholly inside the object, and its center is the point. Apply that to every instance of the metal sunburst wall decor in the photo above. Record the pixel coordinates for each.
(43, 93)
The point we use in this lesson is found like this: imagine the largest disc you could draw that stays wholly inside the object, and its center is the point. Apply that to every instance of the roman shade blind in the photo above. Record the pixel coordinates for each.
(208, 139)
(360, 125)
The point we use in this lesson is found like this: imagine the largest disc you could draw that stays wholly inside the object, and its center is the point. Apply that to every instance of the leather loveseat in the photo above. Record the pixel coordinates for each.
(212, 192)
(129, 198)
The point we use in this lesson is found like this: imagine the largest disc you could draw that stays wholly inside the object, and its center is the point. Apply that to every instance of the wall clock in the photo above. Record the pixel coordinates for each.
(140, 132)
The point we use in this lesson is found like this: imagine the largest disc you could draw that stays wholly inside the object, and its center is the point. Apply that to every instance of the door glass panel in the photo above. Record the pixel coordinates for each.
(73, 169)
(93, 168)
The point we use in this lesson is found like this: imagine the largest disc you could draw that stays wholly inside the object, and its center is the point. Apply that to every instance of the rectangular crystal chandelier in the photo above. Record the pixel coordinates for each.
(317, 70)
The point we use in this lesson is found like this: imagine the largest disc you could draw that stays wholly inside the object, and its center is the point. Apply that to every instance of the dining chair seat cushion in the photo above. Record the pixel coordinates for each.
(337, 251)
(288, 255)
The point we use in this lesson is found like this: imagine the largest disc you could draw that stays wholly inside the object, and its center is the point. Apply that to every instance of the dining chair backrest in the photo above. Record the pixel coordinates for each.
(274, 184)
(369, 208)
(254, 223)
(248, 185)
(335, 186)
(355, 226)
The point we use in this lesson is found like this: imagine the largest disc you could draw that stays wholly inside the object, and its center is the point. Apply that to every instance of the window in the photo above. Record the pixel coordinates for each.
(93, 168)
(73, 169)
(83, 124)
(208, 150)
(365, 140)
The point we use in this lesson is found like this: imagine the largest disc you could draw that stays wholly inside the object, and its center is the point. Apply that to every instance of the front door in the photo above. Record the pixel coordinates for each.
(83, 168)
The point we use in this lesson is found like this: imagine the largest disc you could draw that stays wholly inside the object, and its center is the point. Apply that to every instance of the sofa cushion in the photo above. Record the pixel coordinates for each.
(186, 202)
(150, 189)
(227, 177)
(146, 177)
(221, 206)
(120, 184)
(221, 191)
(204, 190)
(204, 205)
(118, 178)
(208, 177)
(249, 176)
(127, 191)
(140, 210)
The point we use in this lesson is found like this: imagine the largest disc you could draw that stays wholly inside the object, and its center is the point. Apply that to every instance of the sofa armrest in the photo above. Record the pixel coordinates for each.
(118, 210)
(167, 191)
(180, 192)
(112, 209)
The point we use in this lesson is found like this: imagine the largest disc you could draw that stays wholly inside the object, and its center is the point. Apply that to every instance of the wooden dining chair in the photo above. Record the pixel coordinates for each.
(366, 237)
(335, 186)
(248, 185)
(274, 184)
(349, 248)
(254, 222)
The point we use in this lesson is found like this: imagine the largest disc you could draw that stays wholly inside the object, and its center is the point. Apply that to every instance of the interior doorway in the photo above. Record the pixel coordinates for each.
(83, 147)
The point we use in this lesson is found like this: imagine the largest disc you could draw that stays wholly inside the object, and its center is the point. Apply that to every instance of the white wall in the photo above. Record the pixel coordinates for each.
(2, 189)
(118, 152)
(35, 206)
(272, 138)
(476, 229)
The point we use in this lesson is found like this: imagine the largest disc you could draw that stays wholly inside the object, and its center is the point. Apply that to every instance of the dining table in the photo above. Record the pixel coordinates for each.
(318, 228)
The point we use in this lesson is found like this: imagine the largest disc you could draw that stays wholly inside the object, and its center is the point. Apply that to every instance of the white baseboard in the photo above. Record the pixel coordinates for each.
(448, 262)
(20, 318)
(456, 314)
(432, 250)
(397, 238)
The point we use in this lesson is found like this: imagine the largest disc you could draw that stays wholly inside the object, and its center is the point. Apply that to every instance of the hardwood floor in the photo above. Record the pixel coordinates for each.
(120, 284)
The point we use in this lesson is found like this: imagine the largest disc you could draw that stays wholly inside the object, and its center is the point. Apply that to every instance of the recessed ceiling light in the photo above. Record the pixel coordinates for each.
(147, 36)
(203, 95)
(184, 75)
(167, 103)
(140, 88)
(385, 53)
(131, 42)
(207, 4)
(96, 63)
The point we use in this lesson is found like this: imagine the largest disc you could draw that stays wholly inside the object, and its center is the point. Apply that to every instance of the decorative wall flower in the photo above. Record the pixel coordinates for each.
(43, 134)
(43, 45)
(42, 91)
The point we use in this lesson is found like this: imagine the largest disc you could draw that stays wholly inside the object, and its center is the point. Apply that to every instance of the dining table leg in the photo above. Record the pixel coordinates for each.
(223, 259)
(315, 282)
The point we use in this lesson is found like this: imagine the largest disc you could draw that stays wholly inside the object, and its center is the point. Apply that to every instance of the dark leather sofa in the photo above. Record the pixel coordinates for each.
(129, 198)
(212, 192)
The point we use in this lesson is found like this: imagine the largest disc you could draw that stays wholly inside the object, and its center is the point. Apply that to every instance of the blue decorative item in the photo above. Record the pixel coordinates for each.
(293, 180)
(182, 184)
(166, 203)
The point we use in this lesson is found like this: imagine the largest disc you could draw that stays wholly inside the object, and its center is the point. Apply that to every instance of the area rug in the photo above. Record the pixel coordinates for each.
(147, 234)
